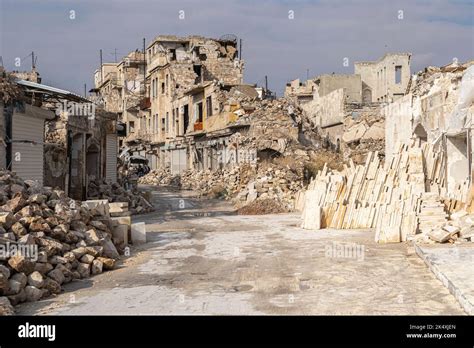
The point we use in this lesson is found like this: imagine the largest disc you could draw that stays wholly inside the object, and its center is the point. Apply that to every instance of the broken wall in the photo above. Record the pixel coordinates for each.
(327, 110)
(351, 84)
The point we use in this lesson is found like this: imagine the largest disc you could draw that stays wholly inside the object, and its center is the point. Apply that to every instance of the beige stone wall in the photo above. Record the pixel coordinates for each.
(351, 84)
(326, 111)
(380, 76)
(398, 124)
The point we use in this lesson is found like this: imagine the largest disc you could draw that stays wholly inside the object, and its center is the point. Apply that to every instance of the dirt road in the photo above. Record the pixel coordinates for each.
(204, 259)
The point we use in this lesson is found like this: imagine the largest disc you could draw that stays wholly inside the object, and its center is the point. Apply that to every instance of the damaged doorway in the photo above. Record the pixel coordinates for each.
(76, 165)
(92, 159)
(457, 166)
(420, 133)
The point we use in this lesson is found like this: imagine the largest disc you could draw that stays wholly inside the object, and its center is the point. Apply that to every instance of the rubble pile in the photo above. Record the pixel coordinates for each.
(48, 239)
(274, 125)
(101, 189)
(396, 198)
(364, 131)
(8, 89)
(247, 183)
(160, 177)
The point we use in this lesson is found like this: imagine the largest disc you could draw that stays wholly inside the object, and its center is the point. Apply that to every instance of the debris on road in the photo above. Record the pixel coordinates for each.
(101, 189)
(48, 239)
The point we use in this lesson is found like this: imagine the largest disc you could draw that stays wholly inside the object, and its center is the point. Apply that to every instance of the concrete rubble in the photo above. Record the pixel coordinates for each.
(8, 89)
(160, 177)
(137, 203)
(277, 172)
(48, 239)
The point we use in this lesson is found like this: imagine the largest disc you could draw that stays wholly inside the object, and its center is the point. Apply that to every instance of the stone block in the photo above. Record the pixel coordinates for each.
(120, 233)
(138, 233)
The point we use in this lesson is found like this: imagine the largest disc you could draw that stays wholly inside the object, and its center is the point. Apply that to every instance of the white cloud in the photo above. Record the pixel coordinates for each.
(320, 36)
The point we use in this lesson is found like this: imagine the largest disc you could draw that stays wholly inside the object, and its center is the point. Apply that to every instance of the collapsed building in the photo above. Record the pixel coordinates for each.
(120, 88)
(184, 77)
(346, 108)
(423, 191)
(436, 110)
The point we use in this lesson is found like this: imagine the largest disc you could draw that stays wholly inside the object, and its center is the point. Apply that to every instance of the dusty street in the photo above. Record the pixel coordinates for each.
(204, 259)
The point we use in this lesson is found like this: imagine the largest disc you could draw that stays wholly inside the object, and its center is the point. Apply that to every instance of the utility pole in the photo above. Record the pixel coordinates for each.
(85, 90)
(144, 65)
(115, 54)
(1, 61)
(266, 83)
(240, 49)
(101, 77)
(32, 60)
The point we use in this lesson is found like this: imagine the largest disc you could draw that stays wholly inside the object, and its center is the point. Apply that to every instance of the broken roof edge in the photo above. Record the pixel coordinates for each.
(51, 89)
(181, 39)
(369, 62)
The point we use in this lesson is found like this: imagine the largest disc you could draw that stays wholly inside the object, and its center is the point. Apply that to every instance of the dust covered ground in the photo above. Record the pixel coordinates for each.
(203, 258)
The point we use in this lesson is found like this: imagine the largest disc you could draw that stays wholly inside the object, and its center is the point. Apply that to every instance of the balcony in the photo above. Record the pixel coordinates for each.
(145, 103)
(198, 126)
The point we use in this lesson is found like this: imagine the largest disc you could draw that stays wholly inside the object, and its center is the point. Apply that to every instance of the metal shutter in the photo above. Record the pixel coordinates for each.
(178, 161)
(111, 153)
(30, 163)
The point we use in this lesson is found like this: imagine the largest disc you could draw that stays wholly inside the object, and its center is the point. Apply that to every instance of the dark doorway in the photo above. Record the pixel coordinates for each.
(186, 118)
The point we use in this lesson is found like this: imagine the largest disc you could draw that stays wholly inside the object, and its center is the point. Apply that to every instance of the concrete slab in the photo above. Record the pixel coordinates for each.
(453, 265)
(139, 233)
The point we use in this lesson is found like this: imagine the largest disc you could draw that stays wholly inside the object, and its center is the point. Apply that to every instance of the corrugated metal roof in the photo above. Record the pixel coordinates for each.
(50, 89)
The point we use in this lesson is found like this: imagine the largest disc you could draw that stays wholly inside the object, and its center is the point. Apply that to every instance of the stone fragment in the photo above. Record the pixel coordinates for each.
(439, 236)
(52, 286)
(57, 276)
(36, 279)
(19, 229)
(7, 219)
(21, 264)
(84, 269)
(33, 293)
(96, 267)
(108, 263)
(92, 238)
(6, 307)
(87, 258)
(21, 278)
(43, 268)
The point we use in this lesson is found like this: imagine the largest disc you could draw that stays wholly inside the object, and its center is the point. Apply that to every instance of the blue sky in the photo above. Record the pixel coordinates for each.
(319, 37)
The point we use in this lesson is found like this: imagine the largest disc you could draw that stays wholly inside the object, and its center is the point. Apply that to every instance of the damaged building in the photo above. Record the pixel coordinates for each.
(437, 110)
(120, 88)
(185, 75)
(58, 138)
(346, 108)
(180, 98)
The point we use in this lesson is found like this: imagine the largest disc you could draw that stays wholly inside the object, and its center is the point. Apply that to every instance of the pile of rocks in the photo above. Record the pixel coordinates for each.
(220, 183)
(48, 239)
(9, 90)
(246, 183)
(459, 229)
(160, 177)
(271, 183)
(101, 189)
